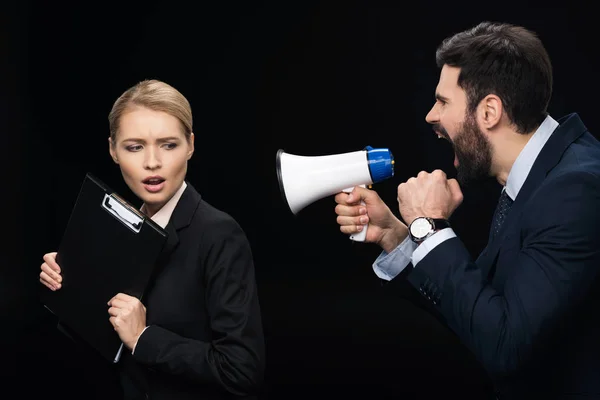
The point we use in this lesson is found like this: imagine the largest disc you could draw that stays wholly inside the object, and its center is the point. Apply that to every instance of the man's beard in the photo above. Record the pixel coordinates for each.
(473, 152)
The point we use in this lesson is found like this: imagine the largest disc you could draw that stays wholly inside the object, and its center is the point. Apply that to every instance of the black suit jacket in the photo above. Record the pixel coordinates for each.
(205, 336)
(528, 307)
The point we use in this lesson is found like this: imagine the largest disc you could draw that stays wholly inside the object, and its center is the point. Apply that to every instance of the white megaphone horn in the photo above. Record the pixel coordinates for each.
(305, 179)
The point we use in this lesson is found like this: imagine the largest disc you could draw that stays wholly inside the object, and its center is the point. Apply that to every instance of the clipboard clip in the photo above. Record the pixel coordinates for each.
(119, 211)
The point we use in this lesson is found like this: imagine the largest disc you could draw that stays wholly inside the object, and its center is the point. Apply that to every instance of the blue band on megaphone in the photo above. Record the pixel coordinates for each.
(381, 163)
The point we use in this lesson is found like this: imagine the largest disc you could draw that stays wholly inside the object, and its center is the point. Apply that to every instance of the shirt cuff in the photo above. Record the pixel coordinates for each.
(138, 339)
(388, 265)
(430, 243)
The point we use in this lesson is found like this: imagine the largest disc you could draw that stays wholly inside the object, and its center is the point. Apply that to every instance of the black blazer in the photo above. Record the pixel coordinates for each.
(205, 336)
(528, 307)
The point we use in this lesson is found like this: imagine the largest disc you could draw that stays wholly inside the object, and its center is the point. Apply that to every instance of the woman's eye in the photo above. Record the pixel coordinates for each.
(134, 147)
(170, 146)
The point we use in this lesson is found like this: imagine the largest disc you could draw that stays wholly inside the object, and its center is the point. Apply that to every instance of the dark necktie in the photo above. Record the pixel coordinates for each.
(502, 209)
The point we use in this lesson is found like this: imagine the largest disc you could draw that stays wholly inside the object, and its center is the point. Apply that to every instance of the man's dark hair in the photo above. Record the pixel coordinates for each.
(506, 60)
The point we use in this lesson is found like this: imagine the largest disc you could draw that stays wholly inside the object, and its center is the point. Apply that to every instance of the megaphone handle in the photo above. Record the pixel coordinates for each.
(359, 236)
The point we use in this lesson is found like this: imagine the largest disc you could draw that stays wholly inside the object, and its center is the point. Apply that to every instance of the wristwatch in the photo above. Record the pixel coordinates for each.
(423, 227)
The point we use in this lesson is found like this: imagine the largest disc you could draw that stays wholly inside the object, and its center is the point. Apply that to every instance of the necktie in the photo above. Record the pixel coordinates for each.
(502, 209)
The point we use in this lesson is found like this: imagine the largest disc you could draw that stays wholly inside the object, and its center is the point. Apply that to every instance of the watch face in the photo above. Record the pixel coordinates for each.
(420, 228)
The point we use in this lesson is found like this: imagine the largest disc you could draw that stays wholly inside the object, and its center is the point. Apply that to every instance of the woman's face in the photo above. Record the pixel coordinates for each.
(152, 152)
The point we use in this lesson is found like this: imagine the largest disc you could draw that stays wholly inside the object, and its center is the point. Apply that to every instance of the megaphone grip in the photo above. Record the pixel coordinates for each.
(358, 236)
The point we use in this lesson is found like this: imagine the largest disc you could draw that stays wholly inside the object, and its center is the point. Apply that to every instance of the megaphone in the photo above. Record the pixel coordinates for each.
(306, 179)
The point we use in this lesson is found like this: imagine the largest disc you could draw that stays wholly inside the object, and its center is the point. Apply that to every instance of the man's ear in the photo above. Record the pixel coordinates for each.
(191, 151)
(111, 150)
(490, 111)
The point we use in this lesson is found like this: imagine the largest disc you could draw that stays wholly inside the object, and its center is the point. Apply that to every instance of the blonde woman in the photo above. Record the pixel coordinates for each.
(198, 333)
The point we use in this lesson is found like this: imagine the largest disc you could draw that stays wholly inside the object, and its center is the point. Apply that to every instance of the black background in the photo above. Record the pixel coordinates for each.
(312, 78)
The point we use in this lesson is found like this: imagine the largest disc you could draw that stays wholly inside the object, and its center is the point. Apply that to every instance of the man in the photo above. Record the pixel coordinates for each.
(528, 306)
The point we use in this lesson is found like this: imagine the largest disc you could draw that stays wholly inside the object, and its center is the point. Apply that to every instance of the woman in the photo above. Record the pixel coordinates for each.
(198, 333)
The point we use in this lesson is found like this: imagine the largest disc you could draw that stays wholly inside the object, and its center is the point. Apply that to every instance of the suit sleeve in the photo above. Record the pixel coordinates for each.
(235, 357)
(550, 274)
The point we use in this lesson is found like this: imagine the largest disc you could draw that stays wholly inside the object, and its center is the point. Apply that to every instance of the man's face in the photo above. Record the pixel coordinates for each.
(450, 120)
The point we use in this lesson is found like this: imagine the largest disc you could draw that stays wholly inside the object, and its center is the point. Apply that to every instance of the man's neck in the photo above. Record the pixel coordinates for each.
(507, 148)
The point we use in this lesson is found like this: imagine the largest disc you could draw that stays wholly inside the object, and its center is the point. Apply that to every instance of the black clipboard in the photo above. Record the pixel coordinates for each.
(108, 247)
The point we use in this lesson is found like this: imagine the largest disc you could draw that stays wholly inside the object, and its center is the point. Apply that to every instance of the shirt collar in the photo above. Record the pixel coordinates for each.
(522, 165)
(162, 216)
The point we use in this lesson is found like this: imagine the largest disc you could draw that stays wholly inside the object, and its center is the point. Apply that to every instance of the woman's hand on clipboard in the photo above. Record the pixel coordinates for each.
(127, 313)
(50, 274)
(128, 317)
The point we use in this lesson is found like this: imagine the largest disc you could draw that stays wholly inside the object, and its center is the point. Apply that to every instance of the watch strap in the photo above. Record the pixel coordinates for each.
(440, 223)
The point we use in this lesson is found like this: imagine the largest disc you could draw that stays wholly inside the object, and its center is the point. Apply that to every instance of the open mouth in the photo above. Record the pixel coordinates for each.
(153, 181)
(154, 184)
(441, 136)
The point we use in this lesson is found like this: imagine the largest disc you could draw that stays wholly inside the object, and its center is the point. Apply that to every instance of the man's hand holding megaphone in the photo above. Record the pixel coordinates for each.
(384, 228)
(429, 195)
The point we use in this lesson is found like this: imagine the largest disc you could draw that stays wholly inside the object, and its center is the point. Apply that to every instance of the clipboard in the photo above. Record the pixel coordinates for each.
(108, 247)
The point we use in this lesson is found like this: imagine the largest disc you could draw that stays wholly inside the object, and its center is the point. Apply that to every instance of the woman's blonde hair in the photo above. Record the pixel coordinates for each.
(154, 95)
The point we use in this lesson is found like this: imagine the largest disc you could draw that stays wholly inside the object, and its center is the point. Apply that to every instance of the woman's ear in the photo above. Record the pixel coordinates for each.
(191, 150)
(112, 151)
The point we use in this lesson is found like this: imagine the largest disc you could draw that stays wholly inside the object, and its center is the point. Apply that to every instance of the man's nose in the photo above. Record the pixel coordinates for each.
(432, 116)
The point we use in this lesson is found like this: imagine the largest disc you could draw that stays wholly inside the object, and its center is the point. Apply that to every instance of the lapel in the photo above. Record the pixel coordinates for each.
(180, 219)
(570, 128)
